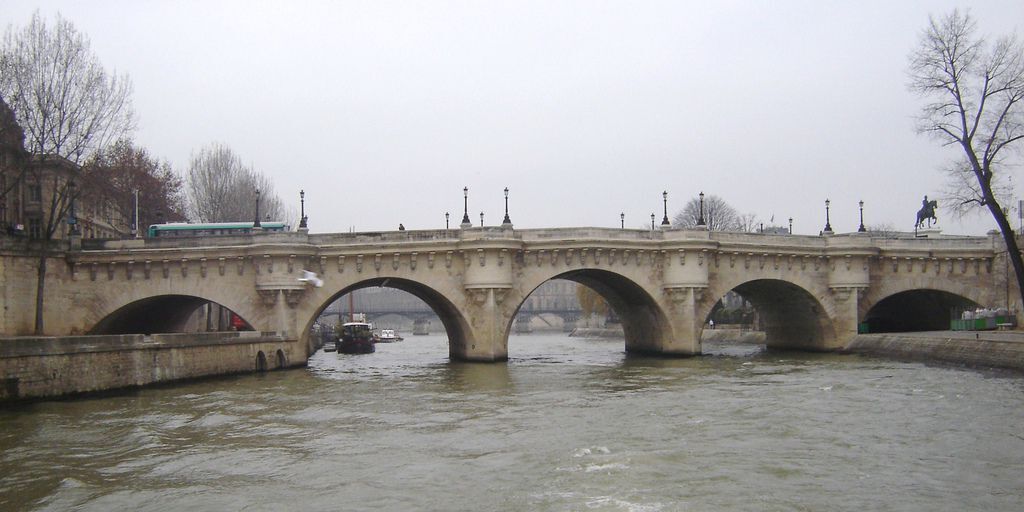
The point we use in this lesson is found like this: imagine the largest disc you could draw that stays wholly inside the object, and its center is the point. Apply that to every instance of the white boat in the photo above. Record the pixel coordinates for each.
(388, 336)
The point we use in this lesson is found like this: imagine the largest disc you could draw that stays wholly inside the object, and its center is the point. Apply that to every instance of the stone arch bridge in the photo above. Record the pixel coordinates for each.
(812, 291)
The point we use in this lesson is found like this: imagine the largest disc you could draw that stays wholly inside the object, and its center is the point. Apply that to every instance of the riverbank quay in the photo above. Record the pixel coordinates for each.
(34, 368)
(997, 349)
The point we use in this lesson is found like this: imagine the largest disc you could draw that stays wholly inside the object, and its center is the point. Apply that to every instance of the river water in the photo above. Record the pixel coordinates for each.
(566, 425)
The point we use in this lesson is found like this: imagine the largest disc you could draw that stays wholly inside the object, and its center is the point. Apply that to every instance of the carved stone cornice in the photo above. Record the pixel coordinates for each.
(845, 293)
(680, 295)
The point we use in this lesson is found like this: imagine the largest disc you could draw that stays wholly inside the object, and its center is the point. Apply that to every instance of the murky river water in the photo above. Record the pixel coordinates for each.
(566, 424)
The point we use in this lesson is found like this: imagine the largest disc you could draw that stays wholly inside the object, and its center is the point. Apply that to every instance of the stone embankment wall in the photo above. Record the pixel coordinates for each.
(42, 367)
(18, 287)
(724, 334)
(990, 349)
(735, 335)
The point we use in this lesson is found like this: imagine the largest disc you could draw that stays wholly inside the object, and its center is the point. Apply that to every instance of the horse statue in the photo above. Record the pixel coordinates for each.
(927, 212)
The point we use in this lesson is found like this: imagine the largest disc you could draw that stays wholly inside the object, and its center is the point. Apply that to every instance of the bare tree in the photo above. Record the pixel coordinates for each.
(975, 91)
(885, 229)
(718, 215)
(746, 222)
(68, 106)
(221, 188)
(63, 98)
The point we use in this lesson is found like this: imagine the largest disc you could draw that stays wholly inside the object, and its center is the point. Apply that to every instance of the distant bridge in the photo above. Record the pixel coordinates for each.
(421, 310)
(812, 292)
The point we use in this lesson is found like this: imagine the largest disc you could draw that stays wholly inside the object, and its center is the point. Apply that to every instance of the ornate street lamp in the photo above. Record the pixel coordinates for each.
(828, 225)
(465, 208)
(791, 225)
(700, 217)
(652, 222)
(256, 223)
(622, 220)
(481, 219)
(446, 220)
(862, 229)
(507, 221)
(664, 200)
(302, 201)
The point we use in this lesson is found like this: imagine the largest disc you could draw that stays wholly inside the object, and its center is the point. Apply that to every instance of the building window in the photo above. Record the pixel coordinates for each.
(35, 192)
(35, 227)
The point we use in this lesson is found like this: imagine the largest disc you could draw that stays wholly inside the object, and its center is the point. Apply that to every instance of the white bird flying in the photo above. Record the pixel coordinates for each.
(311, 278)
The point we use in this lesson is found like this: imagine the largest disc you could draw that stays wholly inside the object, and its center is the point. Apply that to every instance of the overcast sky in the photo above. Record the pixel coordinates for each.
(384, 111)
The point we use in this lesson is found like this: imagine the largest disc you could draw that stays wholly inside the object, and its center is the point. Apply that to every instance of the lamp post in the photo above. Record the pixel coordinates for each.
(481, 219)
(622, 220)
(446, 221)
(302, 202)
(465, 208)
(507, 221)
(862, 229)
(652, 222)
(700, 217)
(72, 218)
(135, 217)
(791, 225)
(256, 223)
(828, 225)
(664, 201)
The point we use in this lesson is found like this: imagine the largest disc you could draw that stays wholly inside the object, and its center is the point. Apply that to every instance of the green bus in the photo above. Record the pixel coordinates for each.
(183, 229)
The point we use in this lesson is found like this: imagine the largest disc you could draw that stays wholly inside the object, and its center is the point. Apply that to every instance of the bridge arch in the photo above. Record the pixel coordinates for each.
(454, 322)
(161, 314)
(915, 310)
(792, 316)
(645, 324)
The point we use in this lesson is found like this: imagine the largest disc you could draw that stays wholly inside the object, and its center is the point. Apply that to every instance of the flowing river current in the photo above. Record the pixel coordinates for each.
(566, 425)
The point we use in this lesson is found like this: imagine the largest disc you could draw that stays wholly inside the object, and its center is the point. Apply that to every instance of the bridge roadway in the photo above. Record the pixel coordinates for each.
(811, 291)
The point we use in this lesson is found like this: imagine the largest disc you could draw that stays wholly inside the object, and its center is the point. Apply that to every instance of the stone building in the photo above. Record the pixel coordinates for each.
(12, 158)
(32, 185)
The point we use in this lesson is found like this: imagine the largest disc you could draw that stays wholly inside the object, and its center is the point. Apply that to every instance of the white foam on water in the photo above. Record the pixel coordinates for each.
(592, 468)
(606, 501)
(593, 450)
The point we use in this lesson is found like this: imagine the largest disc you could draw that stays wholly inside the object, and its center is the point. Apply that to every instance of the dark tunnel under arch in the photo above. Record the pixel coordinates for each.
(792, 318)
(916, 310)
(162, 314)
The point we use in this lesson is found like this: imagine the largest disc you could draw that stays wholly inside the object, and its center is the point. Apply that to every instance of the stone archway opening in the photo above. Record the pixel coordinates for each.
(629, 313)
(171, 314)
(409, 308)
(777, 313)
(555, 307)
(916, 311)
(733, 327)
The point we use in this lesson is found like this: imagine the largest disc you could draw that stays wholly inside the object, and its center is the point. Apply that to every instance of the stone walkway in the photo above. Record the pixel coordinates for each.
(1001, 349)
(1001, 336)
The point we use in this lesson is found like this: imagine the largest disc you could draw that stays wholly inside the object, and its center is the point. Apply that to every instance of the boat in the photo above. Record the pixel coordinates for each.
(356, 338)
(388, 336)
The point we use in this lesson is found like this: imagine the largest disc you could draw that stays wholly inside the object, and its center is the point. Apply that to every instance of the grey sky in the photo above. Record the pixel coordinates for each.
(383, 111)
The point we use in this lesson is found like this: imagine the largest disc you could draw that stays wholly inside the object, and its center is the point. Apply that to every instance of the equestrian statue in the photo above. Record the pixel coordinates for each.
(927, 212)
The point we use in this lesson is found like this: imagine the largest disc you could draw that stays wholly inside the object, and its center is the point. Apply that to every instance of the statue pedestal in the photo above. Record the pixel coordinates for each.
(926, 232)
